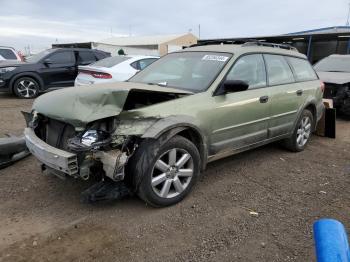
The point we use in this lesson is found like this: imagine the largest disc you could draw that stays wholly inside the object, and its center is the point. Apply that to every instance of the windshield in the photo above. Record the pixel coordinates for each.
(36, 58)
(110, 61)
(192, 71)
(334, 64)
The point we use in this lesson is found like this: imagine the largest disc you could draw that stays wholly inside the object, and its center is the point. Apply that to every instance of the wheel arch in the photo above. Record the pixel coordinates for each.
(33, 75)
(311, 106)
(184, 126)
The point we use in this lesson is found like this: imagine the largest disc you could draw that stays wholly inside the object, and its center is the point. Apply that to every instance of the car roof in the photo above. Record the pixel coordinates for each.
(239, 49)
(141, 56)
(77, 49)
(7, 47)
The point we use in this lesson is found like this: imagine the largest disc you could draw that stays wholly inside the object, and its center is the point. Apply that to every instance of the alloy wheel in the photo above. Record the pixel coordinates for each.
(172, 173)
(27, 88)
(304, 131)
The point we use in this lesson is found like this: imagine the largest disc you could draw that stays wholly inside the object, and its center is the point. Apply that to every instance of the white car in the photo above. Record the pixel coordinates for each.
(112, 69)
(8, 53)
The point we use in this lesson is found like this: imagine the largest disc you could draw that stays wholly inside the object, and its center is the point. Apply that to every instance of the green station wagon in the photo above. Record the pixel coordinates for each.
(155, 133)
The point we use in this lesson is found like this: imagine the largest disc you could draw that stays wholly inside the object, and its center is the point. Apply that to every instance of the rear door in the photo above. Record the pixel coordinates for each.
(59, 70)
(284, 95)
(242, 117)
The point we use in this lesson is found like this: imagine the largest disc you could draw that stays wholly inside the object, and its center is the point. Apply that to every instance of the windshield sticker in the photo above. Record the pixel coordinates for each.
(215, 58)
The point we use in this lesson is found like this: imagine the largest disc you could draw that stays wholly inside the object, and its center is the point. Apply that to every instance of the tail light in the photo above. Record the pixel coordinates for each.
(322, 87)
(95, 74)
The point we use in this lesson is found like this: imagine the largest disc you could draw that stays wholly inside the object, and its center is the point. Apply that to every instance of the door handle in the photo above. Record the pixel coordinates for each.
(264, 99)
(299, 92)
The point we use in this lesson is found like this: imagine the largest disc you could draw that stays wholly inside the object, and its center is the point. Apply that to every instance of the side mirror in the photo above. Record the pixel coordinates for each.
(231, 86)
(47, 61)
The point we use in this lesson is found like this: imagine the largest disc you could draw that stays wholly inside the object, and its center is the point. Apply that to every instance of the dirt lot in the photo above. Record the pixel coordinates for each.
(43, 220)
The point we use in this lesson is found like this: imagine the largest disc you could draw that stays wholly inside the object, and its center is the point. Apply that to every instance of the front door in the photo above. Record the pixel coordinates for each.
(241, 118)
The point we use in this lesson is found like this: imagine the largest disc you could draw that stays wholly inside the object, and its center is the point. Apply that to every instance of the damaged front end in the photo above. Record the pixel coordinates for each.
(340, 94)
(98, 149)
(78, 131)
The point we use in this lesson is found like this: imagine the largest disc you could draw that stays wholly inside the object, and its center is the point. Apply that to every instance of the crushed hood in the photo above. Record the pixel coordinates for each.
(335, 77)
(81, 105)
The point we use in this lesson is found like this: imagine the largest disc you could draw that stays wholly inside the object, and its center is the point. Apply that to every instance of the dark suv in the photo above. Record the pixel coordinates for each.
(52, 68)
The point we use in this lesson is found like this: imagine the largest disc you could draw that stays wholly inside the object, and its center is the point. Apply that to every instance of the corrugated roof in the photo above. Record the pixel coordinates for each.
(325, 30)
(141, 40)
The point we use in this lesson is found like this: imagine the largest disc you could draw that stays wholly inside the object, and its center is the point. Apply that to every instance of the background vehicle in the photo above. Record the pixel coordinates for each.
(112, 69)
(52, 68)
(9, 53)
(334, 71)
(157, 131)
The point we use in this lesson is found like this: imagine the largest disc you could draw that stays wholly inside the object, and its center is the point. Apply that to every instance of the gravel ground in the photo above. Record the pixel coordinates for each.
(42, 218)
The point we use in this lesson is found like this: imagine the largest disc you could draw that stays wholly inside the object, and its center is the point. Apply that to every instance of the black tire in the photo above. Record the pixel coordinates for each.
(292, 143)
(143, 170)
(26, 87)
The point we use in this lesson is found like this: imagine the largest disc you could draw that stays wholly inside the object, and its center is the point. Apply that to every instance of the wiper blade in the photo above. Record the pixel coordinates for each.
(159, 84)
(337, 71)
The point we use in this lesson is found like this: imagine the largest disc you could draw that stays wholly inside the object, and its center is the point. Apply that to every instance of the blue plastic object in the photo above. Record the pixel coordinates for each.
(331, 241)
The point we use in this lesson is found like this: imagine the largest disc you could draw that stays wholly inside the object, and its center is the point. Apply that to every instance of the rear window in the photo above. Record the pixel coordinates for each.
(111, 61)
(8, 54)
(302, 69)
(278, 70)
(86, 57)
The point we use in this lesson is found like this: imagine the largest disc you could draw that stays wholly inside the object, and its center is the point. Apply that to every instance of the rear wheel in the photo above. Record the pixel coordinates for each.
(26, 87)
(302, 132)
(168, 171)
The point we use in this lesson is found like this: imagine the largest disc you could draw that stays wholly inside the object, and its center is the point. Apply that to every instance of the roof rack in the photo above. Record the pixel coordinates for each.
(245, 42)
(223, 42)
(267, 44)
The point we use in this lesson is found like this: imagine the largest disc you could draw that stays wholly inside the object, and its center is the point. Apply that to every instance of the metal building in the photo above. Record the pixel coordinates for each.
(316, 43)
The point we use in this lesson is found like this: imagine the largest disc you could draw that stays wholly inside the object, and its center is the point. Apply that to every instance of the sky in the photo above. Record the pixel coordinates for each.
(40, 23)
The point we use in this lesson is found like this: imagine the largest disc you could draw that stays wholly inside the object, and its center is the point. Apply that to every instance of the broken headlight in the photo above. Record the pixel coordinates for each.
(92, 136)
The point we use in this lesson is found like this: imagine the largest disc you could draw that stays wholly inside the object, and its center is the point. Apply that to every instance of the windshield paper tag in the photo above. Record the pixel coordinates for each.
(215, 58)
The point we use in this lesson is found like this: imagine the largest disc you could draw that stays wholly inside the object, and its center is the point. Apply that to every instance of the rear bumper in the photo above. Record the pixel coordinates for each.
(57, 159)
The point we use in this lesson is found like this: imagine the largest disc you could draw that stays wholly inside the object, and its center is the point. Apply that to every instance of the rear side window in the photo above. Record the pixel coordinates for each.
(250, 69)
(278, 70)
(64, 57)
(143, 63)
(146, 62)
(101, 55)
(86, 57)
(302, 69)
(8, 54)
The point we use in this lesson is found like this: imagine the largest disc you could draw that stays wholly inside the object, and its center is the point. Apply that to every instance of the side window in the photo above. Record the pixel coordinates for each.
(86, 57)
(8, 54)
(278, 70)
(302, 69)
(135, 65)
(146, 62)
(250, 69)
(64, 57)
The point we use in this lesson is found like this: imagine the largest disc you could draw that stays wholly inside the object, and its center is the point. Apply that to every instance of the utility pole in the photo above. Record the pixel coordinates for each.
(199, 31)
(347, 20)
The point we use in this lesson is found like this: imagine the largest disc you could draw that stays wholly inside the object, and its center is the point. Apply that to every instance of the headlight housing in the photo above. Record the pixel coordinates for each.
(92, 136)
(4, 70)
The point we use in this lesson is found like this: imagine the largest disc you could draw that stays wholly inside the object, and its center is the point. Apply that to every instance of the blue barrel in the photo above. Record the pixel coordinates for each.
(331, 241)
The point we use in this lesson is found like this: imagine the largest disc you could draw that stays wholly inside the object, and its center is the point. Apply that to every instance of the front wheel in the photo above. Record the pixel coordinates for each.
(26, 87)
(168, 171)
(302, 132)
